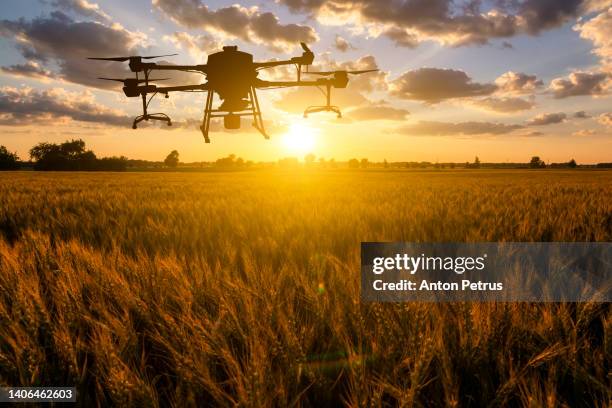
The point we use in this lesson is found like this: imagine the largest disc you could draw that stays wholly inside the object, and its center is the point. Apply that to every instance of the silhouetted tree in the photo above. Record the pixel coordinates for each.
(537, 163)
(476, 164)
(332, 163)
(172, 160)
(230, 161)
(385, 164)
(572, 164)
(8, 160)
(364, 163)
(70, 155)
(353, 164)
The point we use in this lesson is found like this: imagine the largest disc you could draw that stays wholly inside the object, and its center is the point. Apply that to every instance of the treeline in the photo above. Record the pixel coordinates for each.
(68, 156)
(72, 155)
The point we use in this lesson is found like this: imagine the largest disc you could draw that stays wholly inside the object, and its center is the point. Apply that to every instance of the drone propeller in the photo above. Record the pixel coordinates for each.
(135, 80)
(123, 59)
(327, 73)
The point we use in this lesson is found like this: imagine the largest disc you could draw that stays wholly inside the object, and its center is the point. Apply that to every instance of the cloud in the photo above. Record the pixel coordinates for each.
(26, 106)
(504, 104)
(457, 129)
(584, 133)
(377, 112)
(433, 85)
(547, 119)
(605, 119)
(82, 7)
(599, 31)
(517, 83)
(197, 45)
(401, 38)
(581, 115)
(247, 24)
(62, 46)
(30, 69)
(341, 44)
(443, 21)
(580, 83)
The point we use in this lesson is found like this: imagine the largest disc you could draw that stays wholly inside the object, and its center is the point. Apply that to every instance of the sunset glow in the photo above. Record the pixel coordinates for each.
(299, 139)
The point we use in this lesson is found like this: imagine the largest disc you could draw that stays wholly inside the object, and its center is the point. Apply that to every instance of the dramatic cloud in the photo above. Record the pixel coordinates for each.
(247, 24)
(504, 105)
(433, 85)
(197, 45)
(61, 44)
(457, 129)
(580, 83)
(341, 44)
(81, 7)
(442, 20)
(547, 119)
(605, 119)
(26, 106)
(377, 112)
(30, 69)
(518, 83)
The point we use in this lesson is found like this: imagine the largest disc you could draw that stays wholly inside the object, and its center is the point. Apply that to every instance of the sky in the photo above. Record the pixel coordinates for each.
(503, 80)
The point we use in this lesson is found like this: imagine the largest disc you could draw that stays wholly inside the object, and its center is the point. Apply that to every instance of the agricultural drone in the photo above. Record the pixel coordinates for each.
(232, 75)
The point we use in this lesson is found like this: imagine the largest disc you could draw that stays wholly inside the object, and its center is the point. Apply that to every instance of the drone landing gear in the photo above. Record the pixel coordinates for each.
(150, 116)
(252, 109)
(328, 107)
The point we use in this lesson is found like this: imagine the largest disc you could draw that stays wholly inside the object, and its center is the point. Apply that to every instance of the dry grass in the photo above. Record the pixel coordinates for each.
(242, 289)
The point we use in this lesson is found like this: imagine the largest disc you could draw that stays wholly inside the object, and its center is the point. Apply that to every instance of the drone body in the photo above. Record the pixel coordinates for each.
(232, 75)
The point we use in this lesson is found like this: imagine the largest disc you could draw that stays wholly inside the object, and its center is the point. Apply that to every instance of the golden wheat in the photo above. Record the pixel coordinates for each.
(242, 289)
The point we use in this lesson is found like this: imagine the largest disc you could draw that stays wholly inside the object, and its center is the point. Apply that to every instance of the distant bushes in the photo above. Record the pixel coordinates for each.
(72, 156)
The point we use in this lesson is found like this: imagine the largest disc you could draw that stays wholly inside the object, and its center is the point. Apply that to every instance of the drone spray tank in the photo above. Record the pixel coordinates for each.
(231, 75)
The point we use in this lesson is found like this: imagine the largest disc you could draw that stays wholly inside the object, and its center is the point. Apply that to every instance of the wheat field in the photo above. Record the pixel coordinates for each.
(242, 289)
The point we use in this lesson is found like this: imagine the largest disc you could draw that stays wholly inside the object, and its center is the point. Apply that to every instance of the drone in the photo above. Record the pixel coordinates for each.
(233, 76)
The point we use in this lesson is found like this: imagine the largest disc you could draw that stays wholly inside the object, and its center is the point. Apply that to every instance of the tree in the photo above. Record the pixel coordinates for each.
(70, 155)
(8, 160)
(476, 162)
(353, 164)
(537, 163)
(172, 160)
(572, 164)
(365, 163)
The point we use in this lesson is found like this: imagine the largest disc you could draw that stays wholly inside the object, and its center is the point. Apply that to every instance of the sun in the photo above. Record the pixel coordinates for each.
(300, 138)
